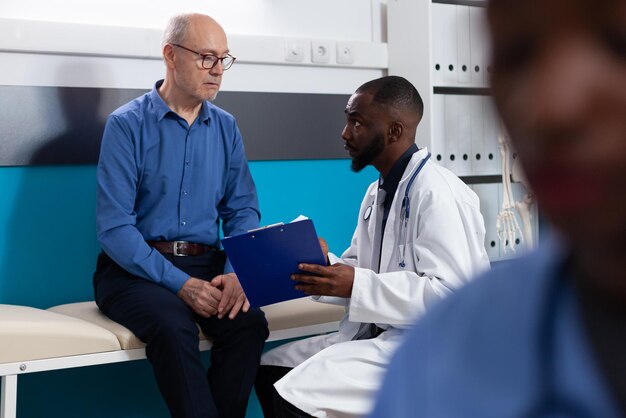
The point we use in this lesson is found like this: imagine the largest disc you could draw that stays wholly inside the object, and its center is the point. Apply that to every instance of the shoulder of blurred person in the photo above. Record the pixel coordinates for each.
(478, 352)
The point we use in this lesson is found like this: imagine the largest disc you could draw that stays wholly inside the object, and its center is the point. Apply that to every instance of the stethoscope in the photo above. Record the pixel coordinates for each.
(405, 210)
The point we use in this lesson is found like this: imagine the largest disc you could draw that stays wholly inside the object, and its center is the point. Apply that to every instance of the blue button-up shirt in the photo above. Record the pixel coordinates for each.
(161, 179)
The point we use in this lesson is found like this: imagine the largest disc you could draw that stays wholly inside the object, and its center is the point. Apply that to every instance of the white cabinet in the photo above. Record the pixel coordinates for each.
(443, 49)
(441, 46)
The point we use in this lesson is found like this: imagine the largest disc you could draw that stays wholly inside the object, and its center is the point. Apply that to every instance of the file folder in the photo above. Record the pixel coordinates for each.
(264, 260)
(463, 44)
(444, 44)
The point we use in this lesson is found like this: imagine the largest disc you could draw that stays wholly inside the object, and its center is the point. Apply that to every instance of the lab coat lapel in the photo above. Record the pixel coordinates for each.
(389, 242)
(376, 229)
(391, 229)
(371, 221)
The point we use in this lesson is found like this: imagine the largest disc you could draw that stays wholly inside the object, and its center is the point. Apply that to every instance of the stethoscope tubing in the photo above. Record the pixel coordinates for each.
(405, 210)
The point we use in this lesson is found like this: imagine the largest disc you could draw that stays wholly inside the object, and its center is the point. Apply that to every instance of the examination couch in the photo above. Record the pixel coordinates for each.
(78, 335)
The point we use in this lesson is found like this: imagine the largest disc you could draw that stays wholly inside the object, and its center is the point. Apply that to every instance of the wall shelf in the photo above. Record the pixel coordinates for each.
(473, 3)
(460, 90)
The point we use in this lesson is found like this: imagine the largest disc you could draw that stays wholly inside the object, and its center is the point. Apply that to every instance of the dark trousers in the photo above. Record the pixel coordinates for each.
(168, 326)
(272, 404)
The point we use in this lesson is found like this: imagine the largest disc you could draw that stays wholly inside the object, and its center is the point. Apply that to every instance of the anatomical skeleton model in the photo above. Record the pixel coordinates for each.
(506, 224)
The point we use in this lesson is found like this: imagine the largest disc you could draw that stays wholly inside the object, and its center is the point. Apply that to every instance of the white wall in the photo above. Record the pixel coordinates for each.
(115, 43)
(343, 19)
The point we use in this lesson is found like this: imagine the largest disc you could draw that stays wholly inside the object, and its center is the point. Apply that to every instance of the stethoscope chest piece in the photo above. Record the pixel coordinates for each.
(367, 213)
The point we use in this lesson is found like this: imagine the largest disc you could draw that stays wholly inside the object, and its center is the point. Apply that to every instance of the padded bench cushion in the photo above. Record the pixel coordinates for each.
(32, 334)
(300, 313)
(89, 311)
(285, 315)
(80, 328)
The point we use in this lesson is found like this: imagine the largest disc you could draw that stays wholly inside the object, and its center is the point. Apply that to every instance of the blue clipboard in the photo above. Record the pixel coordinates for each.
(264, 260)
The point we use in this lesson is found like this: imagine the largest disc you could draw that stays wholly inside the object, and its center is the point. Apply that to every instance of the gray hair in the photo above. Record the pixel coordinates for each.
(176, 29)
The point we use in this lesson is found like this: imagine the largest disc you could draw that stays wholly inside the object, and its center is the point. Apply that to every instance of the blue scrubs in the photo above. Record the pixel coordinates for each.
(511, 344)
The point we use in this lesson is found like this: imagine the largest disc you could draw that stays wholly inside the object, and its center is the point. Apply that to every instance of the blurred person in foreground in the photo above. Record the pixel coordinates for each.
(544, 335)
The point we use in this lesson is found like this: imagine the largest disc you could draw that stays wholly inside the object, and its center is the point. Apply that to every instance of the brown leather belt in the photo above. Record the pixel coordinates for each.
(180, 248)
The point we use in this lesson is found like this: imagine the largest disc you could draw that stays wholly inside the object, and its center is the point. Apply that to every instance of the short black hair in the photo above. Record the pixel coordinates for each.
(395, 91)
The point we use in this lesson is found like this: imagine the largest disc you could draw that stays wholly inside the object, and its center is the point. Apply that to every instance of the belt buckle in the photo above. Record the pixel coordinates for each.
(175, 249)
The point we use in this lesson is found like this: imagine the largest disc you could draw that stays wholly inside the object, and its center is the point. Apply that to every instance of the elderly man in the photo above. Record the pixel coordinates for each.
(546, 335)
(172, 166)
(420, 236)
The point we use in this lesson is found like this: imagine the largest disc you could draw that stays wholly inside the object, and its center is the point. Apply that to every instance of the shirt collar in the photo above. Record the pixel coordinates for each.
(390, 183)
(161, 108)
(205, 114)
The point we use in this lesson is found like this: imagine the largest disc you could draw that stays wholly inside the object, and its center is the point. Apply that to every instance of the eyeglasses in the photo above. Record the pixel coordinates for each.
(209, 61)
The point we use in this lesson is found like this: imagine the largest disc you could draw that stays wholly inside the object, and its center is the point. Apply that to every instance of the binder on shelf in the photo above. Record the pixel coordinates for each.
(264, 259)
(465, 141)
(444, 44)
(492, 130)
(439, 129)
(478, 40)
(477, 136)
(454, 135)
(463, 44)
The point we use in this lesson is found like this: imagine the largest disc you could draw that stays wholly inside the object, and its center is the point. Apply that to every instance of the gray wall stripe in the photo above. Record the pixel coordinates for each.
(63, 125)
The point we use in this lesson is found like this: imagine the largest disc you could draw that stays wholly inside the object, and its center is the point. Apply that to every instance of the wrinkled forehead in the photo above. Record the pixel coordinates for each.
(546, 17)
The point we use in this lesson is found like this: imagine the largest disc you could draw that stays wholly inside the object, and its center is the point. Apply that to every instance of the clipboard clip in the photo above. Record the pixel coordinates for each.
(267, 226)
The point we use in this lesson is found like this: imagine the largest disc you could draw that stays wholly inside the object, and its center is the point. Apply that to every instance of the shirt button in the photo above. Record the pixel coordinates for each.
(185, 192)
(183, 223)
(186, 162)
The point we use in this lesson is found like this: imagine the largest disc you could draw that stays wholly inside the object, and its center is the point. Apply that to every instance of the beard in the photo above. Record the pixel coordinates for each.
(369, 153)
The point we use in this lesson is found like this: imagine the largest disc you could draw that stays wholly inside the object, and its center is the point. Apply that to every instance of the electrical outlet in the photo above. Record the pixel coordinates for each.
(295, 50)
(345, 53)
(320, 51)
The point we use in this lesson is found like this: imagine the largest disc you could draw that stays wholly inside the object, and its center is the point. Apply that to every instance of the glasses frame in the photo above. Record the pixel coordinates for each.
(210, 56)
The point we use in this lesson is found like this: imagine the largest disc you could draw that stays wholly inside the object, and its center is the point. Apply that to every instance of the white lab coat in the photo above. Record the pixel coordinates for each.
(333, 375)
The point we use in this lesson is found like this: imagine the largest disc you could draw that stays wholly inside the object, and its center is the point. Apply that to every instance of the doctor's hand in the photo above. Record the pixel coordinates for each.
(233, 297)
(201, 297)
(335, 280)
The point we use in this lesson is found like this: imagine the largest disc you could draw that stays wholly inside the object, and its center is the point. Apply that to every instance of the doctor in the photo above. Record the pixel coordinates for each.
(419, 236)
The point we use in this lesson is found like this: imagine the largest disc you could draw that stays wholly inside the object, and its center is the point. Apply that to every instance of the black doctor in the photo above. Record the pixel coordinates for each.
(396, 267)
